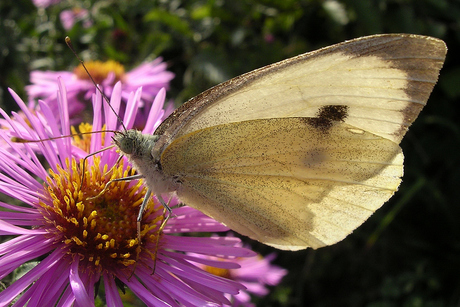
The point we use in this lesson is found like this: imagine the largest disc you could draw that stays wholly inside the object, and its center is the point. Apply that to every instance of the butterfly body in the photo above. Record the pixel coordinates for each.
(299, 153)
(138, 148)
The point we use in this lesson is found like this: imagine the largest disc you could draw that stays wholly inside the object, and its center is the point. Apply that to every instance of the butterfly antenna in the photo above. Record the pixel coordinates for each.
(16, 139)
(69, 44)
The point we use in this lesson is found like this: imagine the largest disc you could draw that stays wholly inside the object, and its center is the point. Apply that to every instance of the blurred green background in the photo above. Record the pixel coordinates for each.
(408, 252)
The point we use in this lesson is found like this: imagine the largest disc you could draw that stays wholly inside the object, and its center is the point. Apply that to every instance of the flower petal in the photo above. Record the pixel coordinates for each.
(111, 291)
(78, 287)
(9, 229)
(10, 293)
(154, 114)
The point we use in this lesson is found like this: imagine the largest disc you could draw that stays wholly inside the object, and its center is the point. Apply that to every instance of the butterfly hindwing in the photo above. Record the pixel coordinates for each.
(287, 182)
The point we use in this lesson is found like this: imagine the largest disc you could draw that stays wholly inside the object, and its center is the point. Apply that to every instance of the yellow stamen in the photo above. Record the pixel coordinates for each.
(100, 71)
(218, 271)
(102, 229)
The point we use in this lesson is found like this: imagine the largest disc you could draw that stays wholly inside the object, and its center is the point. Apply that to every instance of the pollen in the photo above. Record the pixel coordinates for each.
(96, 222)
(82, 136)
(218, 271)
(100, 71)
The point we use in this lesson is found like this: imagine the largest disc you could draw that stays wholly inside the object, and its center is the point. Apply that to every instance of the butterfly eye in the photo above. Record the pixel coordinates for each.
(125, 142)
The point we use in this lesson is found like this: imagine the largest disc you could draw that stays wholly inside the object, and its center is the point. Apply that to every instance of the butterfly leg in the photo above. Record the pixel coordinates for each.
(141, 212)
(160, 230)
(93, 154)
(129, 178)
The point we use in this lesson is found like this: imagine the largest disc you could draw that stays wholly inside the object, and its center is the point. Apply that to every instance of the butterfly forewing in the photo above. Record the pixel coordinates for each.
(284, 181)
(385, 80)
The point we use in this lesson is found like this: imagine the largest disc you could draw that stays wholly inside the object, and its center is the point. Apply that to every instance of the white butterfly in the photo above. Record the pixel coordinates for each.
(299, 153)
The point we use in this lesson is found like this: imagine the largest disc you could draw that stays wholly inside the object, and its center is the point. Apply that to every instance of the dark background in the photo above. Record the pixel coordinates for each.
(408, 252)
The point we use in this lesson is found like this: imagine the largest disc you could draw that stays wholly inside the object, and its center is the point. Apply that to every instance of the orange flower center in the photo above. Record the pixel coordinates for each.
(218, 271)
(100, 70)
(95, 222)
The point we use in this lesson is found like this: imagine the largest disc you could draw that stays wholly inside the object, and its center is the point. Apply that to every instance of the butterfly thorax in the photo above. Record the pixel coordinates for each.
(137, 147)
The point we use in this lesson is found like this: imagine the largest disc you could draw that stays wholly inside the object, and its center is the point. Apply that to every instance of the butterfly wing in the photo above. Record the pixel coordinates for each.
(285, 182)
(301, 152)
(385, 80)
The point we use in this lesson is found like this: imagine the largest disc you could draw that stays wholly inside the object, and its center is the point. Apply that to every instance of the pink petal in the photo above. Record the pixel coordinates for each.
(78, 287)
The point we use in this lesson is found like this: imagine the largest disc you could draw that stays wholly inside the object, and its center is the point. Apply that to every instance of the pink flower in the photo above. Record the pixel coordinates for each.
(151, 76)
(255, 273)
(70, 17)
(80, 234)
(45, 3)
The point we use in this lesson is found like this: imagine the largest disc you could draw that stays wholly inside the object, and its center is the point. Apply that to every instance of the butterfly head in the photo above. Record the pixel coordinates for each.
(133, 143)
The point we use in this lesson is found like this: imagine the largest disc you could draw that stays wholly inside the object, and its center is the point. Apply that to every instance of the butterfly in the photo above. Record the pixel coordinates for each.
(298, 153)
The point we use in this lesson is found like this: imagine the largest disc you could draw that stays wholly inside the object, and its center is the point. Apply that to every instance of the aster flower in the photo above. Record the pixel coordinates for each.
(76, 238)
(151, 76)
(70, 17)
(255, 273)
(45, 3)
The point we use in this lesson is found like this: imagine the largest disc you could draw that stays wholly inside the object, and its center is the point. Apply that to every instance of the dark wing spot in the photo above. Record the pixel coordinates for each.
(319, 123)
(333, 113)
(327, 115)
